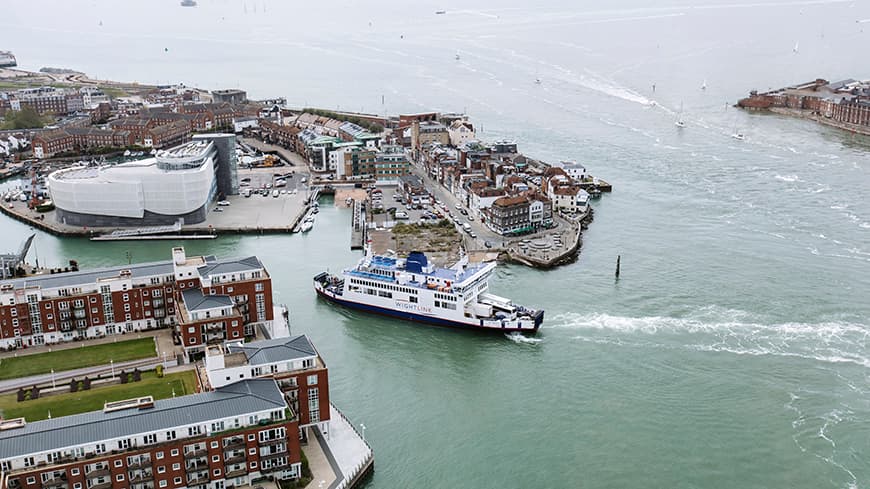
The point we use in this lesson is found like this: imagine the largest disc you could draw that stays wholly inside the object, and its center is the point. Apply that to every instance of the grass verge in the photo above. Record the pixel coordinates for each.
(181, 383)
(72, 358)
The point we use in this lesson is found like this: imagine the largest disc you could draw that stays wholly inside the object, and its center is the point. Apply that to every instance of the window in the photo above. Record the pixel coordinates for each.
(176, 466)
(124, 444)
(150, 438)
(251, 437)
(77, 485)
(177, 480)
(312, 380)
(31, 480)
(162, 483)
(74, 471)
(93, 300)
(161, 469)
(216, 472)
(252, 451)
(119, 477)
(170, 435)
(258, 287)
(174, 452)
(126, 297)
(159, 455)
(253, 465)
(214, 444)
(119, 463)
(215, 458)
(194, 430)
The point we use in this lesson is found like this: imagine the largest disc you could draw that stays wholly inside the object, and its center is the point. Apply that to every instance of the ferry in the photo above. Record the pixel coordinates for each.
(416, 290)
(7, 59)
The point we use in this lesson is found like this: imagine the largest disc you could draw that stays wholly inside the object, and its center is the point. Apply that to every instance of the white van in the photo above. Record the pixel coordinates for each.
(401, 215)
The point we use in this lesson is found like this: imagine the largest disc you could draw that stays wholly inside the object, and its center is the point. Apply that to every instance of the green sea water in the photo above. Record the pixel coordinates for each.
(732, 351)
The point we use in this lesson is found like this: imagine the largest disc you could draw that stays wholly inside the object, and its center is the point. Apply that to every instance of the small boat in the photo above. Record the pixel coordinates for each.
(680, 122)
(537, 81)
(796, 46)
(348, 201)
(738, 136)
(188, 3)
(457, 56)
(440, 12)
(307, 224)
(315, 210)
(704, 85)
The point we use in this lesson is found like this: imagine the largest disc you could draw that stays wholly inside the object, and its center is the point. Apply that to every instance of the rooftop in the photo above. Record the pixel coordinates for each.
(214, 266)
(274, 350)
(196, 300)
(238, 399)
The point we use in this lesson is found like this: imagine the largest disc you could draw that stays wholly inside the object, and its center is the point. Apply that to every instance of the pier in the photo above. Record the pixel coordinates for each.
(358, 226)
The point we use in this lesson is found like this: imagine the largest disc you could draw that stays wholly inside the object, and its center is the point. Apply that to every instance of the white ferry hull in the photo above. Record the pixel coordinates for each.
(409, 312)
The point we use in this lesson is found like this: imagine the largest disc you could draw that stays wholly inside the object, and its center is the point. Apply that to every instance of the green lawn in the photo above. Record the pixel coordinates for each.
(72, 358)
(79, 402)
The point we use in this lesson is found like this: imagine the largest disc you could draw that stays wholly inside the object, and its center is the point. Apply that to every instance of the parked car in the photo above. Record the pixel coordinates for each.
(471, 218)
(217, 209)
(471, 233)
(224, 203)
(487, 244)
(464, 212)
(401, 215)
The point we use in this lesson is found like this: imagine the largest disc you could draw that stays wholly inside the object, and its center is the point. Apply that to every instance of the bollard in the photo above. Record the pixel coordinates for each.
(617, 265)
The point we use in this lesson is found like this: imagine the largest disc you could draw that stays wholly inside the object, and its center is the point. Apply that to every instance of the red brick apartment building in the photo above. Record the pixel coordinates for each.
(226, 438)
(51, 308)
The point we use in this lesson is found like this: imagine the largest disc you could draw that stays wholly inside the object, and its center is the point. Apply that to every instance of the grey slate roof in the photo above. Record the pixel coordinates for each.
(275, 350)
(238, 399)
(90, 276)
(213, 266)
(195, 300)
(233, 265)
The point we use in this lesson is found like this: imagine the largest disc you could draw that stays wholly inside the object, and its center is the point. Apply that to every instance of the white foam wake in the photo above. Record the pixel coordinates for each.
(728, 331)
(521, 338)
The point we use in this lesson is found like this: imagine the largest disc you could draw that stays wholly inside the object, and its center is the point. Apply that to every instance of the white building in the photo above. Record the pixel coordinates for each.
(575, 170)
(176, 184)
(568, 198)
(460, 132)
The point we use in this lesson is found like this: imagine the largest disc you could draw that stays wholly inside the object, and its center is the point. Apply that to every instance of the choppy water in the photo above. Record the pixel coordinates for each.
(733, 350)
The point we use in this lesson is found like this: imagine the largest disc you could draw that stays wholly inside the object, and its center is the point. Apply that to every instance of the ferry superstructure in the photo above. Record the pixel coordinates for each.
(7, 59)
(415, 290)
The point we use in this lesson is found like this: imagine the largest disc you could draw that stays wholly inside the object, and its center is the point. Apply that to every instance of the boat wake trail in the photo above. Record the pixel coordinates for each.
(521, 338)
(727, 331)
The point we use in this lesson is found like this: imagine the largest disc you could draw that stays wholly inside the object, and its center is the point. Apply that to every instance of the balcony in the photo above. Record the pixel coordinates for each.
(273, 441)
(234, 442)
(197, 478)
(236, 472)
(139, 462)
(234, 457)
(93, 472)
(55, 484)
(194, 451)
(141, 476)
(195, 464)
(101, 485)
(144, 485)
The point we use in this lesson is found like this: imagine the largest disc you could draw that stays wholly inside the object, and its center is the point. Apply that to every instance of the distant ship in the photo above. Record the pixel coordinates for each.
(416, 290)
(7, 59)
(440, 12)
(188, 3)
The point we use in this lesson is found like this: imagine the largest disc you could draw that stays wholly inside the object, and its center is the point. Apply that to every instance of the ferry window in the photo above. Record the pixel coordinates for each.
(413, 299)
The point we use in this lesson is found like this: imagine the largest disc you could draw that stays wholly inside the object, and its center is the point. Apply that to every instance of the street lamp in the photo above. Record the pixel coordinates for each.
(112, 364)
(53, 385)
(363, 426)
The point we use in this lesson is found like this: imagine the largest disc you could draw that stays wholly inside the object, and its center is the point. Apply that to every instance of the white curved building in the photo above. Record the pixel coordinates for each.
(179, 183)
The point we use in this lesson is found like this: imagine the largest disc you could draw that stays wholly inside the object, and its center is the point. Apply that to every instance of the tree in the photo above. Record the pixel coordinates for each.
(26, 118)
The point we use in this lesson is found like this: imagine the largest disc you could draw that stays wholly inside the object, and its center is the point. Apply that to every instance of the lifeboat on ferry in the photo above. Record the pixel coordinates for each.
(431, 285)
